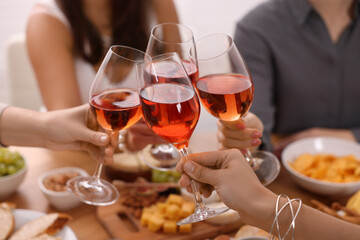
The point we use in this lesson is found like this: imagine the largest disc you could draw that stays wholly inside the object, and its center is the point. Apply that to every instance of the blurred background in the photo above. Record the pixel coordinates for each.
(202, 16)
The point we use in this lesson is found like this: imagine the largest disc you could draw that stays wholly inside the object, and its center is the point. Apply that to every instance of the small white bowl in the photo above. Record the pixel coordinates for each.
(321, 145)
(10, 183)
(60, 200)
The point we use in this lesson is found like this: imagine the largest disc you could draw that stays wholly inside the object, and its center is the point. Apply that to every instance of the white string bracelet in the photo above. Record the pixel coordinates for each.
(278, 212)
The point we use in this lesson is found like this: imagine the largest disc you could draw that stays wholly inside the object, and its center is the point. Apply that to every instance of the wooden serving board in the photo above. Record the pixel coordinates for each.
(120, 223)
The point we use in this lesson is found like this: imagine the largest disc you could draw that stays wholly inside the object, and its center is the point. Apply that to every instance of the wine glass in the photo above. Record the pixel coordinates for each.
(171, 109)
(166, 38)
(226, 90)
(114, 101)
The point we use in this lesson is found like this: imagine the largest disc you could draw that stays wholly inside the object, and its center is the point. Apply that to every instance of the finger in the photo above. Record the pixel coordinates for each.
(93, 151)
(213, 159)
(184, 181)
(207, 190)
(179, 166)
(200, 173)
(237, 143)
(245, 133)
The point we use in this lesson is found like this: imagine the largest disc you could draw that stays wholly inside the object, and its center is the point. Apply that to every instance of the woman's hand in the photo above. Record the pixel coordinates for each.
(140, 135)
(229, 174)
(241, 134)
(76, 129)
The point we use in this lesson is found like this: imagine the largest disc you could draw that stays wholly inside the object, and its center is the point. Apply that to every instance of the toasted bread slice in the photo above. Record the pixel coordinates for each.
(46, 237)
(49, 224)
(7, 221)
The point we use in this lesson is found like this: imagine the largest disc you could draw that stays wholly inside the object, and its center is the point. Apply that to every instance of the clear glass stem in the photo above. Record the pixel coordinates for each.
(199, 203)
(98, 170)
(248, 156)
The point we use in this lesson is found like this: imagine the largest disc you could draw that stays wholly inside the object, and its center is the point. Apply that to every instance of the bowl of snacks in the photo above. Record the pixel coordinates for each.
(324, 165)
(13, 169)
(53, 185)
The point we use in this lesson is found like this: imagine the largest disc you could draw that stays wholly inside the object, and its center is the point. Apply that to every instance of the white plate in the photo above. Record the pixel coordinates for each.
(23, 216)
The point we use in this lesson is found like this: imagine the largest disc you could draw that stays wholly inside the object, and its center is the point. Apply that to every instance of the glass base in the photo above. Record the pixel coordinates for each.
(93, 191)
(267, 166)
(162, 157)
(201, 214)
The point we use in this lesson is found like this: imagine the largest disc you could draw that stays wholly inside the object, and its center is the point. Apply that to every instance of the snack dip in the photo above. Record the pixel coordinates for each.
(57, 181)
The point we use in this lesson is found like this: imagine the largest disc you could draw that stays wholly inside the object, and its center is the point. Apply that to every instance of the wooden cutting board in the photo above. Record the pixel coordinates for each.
(120, 223)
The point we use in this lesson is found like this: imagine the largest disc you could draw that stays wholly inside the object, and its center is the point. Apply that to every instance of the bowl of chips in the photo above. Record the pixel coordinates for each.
(324, 165)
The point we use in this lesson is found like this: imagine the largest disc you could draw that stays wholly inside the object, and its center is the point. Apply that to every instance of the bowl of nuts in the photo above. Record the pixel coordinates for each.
(53, 185)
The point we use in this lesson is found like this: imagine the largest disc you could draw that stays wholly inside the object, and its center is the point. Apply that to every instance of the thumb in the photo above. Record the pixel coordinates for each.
(200, 173)
(97, 138)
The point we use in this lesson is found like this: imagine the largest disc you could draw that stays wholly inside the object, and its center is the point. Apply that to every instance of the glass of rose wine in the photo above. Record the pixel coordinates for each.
(115, 103)
(167, 38)
(171, 109)
(226, 91)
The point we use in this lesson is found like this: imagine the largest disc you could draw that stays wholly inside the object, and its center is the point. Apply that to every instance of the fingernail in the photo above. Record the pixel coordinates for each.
(256, 134)
(256, 142)
(243, 151)
(103, 139)
(240, 126)
(189, 167)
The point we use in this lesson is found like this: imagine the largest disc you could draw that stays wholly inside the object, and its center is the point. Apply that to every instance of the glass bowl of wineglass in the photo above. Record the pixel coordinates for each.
(171, 109)
(167, 38)
(114, 101)
(226, 91)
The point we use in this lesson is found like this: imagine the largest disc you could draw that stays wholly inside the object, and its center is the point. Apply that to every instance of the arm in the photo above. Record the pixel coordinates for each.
(58, 130)
(254, 202)
(257, 55)
(165, 11)
(50, 48)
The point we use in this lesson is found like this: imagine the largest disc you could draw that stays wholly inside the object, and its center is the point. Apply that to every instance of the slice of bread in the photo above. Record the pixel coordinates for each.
(7, 221)
(49, 224)
(46, 237)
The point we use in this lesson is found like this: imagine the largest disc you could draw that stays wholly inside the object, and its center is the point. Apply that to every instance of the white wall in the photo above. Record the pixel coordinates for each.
(202, 16)
(13, 15)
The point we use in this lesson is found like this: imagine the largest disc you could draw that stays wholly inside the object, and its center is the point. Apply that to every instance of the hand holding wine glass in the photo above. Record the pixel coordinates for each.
(226, 91)
(171, 109)
(115, 103)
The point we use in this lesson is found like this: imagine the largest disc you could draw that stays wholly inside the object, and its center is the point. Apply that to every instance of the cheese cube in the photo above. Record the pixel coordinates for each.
(151, 209)
(186, 228)
(155, 223)
(170, 226)
(187, 209)
(172, 212)
(175, 199)
(162, 207)
(144, 220)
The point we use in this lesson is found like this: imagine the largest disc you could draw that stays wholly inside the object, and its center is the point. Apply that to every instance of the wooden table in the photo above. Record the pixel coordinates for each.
(85, 223)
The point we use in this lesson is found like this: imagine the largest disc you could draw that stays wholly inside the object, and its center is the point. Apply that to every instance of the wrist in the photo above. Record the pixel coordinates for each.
(260, 209)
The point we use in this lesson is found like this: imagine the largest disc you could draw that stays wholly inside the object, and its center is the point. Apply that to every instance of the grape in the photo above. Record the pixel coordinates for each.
(10, 162)
(3, 169)
(11, 169)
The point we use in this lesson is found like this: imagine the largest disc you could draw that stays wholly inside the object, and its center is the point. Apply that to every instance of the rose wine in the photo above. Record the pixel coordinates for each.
(116, 109)
(191, 70)
(171, 110)
(170, 70)
(226, 96)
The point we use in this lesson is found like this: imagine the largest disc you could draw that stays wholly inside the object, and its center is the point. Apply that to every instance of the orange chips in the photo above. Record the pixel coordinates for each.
(328, 167)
